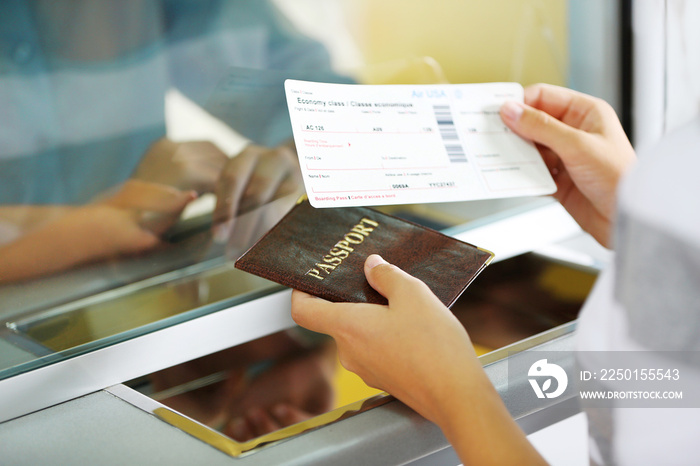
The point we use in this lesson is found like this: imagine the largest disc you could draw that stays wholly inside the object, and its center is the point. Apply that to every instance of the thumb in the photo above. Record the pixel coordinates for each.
(389, 280)
(540, 127)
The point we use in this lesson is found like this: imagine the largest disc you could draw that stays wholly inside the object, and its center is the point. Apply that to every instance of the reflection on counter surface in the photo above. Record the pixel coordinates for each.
(289, 382)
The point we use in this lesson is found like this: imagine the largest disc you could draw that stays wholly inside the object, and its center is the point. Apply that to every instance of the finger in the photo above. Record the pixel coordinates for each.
(563, 104)
(137, 194)
(389, 280)
(309, 311)
(156, 222)
(237, 428)
(127, 235)
(554, 100)
(551, 159)
(581, 208)
(205, 153)
(556, 168)
(292, 183)
(538, 126)
(202, 163)
(265, 181)
(286, 414)
(176, 204)
(144, 240)
(319, 315)
(161, 217)
(581, 111)
(229, 191)
(260, 422)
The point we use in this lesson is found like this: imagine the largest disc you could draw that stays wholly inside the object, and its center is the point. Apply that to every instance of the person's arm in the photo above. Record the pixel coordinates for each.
(584, 146)
(416, 349)
(27, 217)
(129, 222)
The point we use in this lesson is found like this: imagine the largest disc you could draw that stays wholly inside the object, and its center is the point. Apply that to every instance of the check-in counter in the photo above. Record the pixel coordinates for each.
(74, 362)
(122, 357)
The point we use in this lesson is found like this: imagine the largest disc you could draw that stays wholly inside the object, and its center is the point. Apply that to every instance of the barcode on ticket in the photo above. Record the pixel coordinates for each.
(448, 133)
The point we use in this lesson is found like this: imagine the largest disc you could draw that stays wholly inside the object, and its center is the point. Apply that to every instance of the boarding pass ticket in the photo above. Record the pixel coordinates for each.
(361, 145)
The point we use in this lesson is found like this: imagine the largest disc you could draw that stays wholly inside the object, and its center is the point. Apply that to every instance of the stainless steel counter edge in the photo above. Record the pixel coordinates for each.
(394, 434)
(77, 376)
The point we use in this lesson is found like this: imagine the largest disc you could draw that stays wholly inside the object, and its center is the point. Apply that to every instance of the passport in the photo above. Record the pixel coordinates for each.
(322, 252)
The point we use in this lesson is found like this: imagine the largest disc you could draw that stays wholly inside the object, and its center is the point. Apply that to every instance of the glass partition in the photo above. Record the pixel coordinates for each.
(145, 145)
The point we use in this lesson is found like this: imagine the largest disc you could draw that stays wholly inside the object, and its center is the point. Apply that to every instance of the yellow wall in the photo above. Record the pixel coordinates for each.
(472, 40)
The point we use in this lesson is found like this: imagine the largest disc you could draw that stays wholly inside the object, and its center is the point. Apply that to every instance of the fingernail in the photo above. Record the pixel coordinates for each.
(512, 110)
(374, 260)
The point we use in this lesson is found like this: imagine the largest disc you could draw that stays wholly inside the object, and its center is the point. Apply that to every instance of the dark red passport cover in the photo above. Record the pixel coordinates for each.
(323, 251)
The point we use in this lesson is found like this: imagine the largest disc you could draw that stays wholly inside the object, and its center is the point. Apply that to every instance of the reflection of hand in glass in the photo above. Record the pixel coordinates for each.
(253, 178)
(185, 165)
(128, 222)
(224, 390)
(154, 207)
(179, 386)
(291, 391)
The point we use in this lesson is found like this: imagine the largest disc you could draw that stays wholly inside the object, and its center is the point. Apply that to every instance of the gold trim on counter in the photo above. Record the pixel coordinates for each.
(233, 448)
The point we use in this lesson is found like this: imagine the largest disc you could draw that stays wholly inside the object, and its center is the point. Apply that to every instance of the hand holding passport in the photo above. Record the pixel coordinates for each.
(322, 252)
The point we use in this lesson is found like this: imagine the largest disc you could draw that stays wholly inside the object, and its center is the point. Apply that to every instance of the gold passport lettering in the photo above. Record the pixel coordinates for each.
(342, 249)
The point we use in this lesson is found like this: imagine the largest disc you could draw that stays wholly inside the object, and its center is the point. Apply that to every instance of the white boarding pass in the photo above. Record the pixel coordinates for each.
(361, 145)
